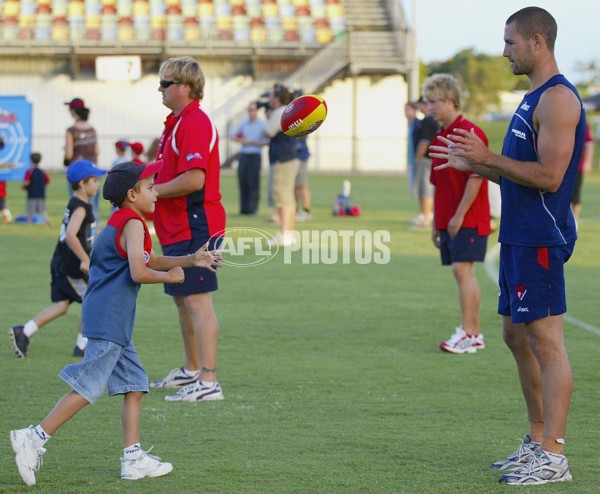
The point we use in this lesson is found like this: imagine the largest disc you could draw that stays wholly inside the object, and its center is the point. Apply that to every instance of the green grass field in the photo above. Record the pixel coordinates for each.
(332, 377)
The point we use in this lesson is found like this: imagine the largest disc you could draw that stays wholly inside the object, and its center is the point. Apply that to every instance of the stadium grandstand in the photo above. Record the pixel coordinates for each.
(358, 54)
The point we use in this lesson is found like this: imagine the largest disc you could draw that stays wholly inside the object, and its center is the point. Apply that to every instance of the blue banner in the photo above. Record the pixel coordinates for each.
(15, 137)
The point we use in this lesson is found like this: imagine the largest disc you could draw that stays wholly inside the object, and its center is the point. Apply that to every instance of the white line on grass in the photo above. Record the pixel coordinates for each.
(490, 262)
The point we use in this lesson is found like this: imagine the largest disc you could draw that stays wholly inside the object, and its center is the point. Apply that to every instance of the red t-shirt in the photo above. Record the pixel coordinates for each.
(189, 141)
(2, 189)
(450, 186)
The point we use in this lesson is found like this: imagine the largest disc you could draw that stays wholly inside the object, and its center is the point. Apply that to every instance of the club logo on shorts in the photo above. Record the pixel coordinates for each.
(521, 291)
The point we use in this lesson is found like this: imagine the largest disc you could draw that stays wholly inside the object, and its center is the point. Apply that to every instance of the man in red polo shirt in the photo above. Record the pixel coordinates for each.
(188, 214)
(461, 214)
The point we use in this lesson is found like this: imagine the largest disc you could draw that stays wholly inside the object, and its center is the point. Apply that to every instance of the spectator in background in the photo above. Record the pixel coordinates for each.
(121, 152)
(585, 166)
(302, 191)
(152, 150)
(251, 135)
(6, 216)
(410, 111)
(137, 149)
(35, 183)
(81, 143)
(425, 134)
(121, 147)
(283, 157)
(461, 214)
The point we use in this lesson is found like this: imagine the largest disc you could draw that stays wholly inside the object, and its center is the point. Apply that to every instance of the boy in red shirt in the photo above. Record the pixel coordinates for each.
(461, 214)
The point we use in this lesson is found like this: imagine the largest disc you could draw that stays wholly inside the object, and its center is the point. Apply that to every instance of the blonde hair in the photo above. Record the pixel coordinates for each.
(443, 87)
(185, 70)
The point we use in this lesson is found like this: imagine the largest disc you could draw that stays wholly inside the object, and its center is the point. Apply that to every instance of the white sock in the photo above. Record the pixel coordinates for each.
(554, 456)
(30, 328)
(208, 384)
(191, 372)
(39, 436)
(132, 452)
(81, 341)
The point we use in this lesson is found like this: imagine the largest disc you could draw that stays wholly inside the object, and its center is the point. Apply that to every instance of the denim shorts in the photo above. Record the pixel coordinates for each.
(106, 364)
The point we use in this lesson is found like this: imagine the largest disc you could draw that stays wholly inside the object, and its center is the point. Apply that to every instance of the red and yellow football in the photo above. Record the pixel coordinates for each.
(304, 115)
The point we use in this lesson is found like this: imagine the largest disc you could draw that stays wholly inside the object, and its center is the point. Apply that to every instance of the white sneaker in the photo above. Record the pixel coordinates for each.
(146, 465)
(175, 379)
(520, 457)
(27, 455)
(417, 220)
(459, 342)
(283, 240)
(541, 468)
(197, 392)
(478, 342)
(303, 216)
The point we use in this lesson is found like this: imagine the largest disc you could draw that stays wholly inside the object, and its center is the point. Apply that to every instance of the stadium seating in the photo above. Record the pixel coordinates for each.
(315, 22)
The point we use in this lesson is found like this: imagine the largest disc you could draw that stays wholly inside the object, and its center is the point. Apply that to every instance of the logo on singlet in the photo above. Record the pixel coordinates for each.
(525, 107)
(519, 133)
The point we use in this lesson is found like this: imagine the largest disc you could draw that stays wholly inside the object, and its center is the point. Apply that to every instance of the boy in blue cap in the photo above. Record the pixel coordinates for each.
(71, 260)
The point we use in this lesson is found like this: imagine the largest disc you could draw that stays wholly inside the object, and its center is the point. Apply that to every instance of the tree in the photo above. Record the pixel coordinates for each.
(482, 76)
(590, 76)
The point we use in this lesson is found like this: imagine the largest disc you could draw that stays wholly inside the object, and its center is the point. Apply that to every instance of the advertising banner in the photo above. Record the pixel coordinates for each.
(15, 137)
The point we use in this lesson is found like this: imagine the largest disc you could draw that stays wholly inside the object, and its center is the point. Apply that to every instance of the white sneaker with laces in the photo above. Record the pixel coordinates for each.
(175, 379)
(520, 457)
(27, 456)
(146, 465)
(197, 392)
(543, 467)
(459, 342)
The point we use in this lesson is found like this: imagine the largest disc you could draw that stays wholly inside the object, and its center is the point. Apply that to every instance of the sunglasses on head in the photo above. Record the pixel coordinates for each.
(165, 84)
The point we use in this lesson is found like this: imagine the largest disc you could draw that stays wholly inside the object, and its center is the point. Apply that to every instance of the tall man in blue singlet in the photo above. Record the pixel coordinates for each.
(536, 172)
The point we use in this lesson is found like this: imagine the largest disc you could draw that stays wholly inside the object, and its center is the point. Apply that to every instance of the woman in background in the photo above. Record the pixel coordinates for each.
(81, 143)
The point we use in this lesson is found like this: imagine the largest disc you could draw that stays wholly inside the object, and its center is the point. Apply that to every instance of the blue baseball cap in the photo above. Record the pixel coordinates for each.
(82, 169)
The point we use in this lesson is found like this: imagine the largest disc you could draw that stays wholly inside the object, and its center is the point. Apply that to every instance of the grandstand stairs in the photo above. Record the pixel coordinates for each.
(376, 43)
(377, 35)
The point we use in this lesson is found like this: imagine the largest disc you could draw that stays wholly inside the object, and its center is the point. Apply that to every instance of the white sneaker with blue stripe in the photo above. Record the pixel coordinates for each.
(543, 467)
(520, 457)
(197, 391)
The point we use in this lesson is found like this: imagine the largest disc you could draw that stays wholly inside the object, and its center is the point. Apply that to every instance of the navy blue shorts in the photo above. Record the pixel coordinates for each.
(532, 281)
(467, 246)
(63, 287)
(197, 280)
